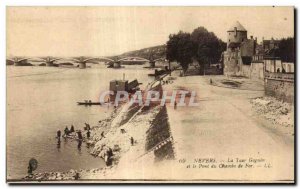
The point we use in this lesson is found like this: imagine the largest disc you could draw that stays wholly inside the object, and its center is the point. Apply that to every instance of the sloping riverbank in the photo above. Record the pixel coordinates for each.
(147, 126)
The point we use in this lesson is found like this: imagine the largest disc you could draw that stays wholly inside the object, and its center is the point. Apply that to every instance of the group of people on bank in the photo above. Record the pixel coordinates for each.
(78, 134)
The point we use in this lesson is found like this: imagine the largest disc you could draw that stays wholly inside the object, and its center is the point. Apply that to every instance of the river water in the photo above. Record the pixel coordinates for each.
(41, 100)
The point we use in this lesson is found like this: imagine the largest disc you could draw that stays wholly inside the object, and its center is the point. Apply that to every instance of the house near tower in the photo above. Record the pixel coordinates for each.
(245, 57)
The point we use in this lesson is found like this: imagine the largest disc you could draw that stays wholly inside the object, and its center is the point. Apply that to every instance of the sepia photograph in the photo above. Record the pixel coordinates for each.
(150, 94)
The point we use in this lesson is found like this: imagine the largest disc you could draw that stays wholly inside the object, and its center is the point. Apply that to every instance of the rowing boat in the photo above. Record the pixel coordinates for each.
(88, 103)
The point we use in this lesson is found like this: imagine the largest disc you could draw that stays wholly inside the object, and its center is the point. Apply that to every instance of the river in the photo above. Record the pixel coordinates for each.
(41, 100)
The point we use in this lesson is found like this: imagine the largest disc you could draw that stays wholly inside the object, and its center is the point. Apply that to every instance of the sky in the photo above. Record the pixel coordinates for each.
(106, 31)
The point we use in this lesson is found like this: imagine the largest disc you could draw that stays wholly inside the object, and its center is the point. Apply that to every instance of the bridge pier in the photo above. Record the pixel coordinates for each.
(48, 64)
(82, 65)
(17, 64)
(117, 64)
(20, 63)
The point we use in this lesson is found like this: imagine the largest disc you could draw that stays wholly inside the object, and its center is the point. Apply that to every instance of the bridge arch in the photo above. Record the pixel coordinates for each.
(82, 61)
(18, 61)
(133, 58)
(49, 61)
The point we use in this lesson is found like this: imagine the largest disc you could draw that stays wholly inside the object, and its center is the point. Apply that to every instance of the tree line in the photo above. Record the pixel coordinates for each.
(286, 49)
(200, 45)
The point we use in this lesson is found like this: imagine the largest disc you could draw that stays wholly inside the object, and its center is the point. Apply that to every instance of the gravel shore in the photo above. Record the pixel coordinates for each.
(279, 113)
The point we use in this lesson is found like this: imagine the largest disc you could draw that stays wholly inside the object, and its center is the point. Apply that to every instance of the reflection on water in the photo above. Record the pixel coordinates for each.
(41, 100)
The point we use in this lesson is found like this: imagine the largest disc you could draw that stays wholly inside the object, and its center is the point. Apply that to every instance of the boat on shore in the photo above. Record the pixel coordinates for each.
(160, 71)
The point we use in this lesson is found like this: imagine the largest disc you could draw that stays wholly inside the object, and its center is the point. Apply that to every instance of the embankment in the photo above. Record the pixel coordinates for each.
(147, 126)
(158, 135)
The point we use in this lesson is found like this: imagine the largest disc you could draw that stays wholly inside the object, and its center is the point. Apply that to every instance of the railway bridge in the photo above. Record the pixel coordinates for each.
(83, 61)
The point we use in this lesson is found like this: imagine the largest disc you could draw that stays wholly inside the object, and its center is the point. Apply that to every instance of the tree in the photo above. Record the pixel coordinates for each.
(286, 50)
(207, 46)
(180, 48)
(201, 45)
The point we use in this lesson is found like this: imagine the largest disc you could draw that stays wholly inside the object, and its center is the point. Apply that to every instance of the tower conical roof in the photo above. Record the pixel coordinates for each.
(238, 27)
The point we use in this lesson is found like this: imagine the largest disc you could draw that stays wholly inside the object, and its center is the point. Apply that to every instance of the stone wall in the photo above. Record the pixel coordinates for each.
(272, 65)
(288, 66)
(257, 70)
(246, 70)
(213, 71)
(232, 62)
(248, 47)
(238, 38)
(280, 86)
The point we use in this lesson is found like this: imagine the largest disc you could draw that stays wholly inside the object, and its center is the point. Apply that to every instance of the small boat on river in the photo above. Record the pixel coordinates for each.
(88, 103)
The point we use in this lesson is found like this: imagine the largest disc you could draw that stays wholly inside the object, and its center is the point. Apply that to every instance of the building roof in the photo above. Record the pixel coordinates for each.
(238, 27)
(267, 42)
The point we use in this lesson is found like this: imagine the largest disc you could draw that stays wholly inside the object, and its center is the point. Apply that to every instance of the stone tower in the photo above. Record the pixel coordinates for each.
(236, 34)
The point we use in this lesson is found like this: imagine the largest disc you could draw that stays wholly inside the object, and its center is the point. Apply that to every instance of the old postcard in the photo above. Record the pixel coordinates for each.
(150, 95)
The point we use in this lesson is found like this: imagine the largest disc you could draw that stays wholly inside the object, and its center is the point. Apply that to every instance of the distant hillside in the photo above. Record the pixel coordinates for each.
(156, 51)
